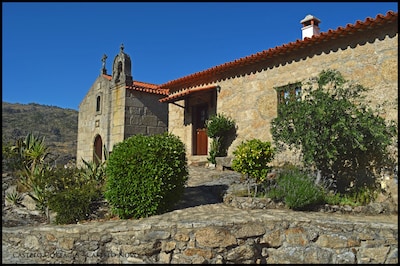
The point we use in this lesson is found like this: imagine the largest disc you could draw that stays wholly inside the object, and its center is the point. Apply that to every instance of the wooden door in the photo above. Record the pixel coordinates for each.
(201, 140)
(200, 131)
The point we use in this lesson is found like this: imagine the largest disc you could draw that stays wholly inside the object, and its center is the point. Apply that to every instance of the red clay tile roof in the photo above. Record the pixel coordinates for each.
(182, 94)
(147, 87)
(142, 86)
(231, 68)
(107, 76)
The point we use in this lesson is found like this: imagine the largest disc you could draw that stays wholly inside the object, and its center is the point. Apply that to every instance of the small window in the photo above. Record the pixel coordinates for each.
(288, 93)
(98, 107)
(297, 91)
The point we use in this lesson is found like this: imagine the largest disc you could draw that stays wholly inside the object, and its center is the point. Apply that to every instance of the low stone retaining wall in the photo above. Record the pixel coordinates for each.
(213, 234)
(373, 208)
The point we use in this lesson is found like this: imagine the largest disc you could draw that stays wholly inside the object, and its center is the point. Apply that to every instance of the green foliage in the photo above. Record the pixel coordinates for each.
(67, 191)
(30, 153)
(219, 127)
(10, 159)
(73, 204)
(38, 189)
(146, 175)
(215, 150)
(28, 156)
(337, 133)
(14, 197)
(360, 197)
(252, 158)
(70, 191)
(297, 190)
(95, 171)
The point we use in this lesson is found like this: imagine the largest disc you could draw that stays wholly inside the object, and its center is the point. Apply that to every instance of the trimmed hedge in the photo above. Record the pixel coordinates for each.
(146, 175)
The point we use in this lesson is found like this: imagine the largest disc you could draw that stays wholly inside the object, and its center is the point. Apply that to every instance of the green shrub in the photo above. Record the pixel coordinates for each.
(146, 175)
(215, 150)
(252, 158)
(359, 197)
(14, 197)
(219, 127)
(73, 204)
(69, 192)
(297, 190)
(11, 159)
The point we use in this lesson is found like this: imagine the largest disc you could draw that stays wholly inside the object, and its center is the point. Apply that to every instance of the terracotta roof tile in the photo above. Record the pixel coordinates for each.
(107, 76)
(147, 87)
(142, 86)
(183, 93)
(231, 68)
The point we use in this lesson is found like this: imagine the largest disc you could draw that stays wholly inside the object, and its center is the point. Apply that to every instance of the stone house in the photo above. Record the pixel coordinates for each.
(248, 89)
(117, 107)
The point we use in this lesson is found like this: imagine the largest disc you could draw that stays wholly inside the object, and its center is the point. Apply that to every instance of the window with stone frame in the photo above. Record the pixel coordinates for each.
(290, 92)
(98, 104)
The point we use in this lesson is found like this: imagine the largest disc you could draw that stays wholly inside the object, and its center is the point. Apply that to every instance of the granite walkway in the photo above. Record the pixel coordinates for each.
(202, 201)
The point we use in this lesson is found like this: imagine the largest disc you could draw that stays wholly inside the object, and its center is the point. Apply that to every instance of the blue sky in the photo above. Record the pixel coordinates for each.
(52, 51)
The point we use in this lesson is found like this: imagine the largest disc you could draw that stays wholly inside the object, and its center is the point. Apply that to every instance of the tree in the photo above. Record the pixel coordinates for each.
(336, 131)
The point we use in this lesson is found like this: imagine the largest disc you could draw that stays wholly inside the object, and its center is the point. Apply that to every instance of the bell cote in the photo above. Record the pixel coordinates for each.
(121, 73)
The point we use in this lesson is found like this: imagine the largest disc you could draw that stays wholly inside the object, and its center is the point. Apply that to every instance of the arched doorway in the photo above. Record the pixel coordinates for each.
(98, 150)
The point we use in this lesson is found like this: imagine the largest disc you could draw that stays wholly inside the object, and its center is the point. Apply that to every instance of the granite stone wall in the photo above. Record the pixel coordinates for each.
(251, 99)
(213, 234)
(144, 114)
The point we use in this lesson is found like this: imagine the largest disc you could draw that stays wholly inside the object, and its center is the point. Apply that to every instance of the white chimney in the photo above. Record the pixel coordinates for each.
(310, 26)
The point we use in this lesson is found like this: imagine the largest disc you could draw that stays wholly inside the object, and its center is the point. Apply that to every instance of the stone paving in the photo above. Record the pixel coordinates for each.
(202, 201)
(207, 186)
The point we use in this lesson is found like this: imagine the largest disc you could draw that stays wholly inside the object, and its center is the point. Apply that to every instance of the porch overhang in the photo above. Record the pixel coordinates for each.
(180, 95)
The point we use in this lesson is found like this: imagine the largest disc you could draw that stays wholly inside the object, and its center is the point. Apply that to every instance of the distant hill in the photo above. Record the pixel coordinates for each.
(59, 126)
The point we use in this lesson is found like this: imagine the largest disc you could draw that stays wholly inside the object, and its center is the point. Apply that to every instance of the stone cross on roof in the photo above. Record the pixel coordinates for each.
(103, 69)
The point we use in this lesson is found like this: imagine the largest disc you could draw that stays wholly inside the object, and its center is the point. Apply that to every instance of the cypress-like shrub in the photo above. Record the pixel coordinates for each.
(219, 127)
(146, 175)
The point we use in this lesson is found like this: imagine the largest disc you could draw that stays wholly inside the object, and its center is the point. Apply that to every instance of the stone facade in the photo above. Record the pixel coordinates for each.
(368, 57)
(115, 108)
(230, 236)
(245, 89)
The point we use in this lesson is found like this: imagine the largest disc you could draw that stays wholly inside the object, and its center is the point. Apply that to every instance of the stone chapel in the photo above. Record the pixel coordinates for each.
(117, 107)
